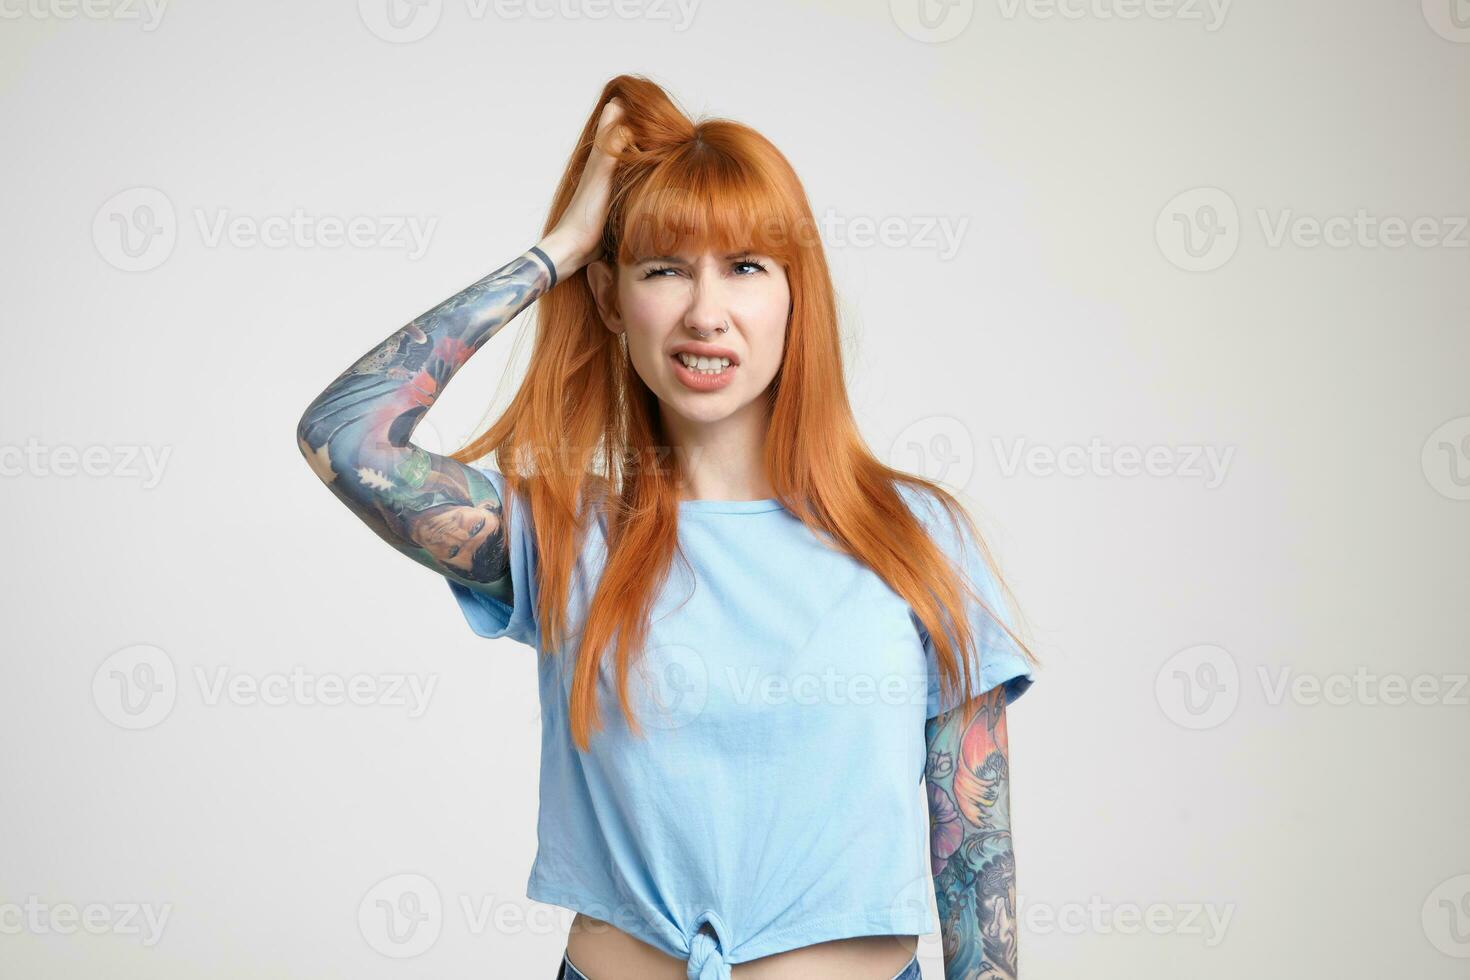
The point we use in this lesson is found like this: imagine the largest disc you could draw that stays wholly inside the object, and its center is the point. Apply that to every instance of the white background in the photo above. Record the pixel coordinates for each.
(1071, 146)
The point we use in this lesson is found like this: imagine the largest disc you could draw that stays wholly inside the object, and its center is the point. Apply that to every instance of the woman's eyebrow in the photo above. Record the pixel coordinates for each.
(680, 260)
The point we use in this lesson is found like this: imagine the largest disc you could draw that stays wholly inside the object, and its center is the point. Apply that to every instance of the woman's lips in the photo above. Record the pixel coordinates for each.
(697, 381)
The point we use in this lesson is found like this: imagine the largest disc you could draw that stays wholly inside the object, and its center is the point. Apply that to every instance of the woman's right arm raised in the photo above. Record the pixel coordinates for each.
(356, 434)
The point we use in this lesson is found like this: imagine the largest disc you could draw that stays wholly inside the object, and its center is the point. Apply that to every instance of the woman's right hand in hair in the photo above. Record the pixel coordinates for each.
(577, 237)
(356, 434)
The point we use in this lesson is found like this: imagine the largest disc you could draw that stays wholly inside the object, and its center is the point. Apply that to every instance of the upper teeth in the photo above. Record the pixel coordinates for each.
(714, 364)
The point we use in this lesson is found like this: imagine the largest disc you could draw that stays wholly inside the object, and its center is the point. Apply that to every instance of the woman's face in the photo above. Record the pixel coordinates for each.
(682, 314)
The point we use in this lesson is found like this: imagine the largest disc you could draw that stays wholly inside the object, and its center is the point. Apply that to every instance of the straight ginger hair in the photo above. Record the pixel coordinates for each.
(583, 427)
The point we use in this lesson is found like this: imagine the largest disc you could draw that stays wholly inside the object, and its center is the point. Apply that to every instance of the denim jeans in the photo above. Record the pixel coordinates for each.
(569, 972)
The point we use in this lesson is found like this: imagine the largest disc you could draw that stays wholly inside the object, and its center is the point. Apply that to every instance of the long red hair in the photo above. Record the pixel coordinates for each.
(583, 427)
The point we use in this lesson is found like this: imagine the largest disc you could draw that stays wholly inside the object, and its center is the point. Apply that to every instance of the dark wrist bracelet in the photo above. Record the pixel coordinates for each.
(550, 266)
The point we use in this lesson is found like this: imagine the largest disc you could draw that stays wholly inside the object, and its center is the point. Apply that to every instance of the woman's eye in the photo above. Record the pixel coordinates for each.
(454, 552)
(658, 272)
(479, 526)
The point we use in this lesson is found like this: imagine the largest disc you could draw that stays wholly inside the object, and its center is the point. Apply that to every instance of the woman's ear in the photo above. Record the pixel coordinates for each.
(602, 279)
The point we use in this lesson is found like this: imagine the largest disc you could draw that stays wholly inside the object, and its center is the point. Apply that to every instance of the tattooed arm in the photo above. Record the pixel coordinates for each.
(356, 433)
(968, 780)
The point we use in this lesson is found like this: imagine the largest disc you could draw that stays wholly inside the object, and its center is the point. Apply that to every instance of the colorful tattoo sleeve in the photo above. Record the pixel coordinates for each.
(356, 434)
(968, 780)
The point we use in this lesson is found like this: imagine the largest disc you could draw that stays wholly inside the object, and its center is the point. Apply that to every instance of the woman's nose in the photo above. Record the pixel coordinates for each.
(707, 312)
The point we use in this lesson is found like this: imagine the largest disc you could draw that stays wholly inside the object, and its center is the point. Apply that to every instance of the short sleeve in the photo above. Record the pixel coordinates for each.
(489, 617)
(996, 658)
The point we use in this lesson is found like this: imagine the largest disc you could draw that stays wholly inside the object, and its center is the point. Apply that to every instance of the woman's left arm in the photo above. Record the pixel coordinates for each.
(968, 781)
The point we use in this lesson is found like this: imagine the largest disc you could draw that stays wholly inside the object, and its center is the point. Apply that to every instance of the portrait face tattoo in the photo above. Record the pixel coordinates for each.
(454, 533)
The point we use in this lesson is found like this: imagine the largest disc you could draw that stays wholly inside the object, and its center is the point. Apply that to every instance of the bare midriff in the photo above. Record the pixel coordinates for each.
(604, 952)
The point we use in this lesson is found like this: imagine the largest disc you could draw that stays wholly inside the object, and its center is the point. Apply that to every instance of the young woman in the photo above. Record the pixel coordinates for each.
(755, 639)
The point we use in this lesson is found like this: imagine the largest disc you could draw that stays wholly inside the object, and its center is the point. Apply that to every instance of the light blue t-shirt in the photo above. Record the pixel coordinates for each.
(773, 800)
